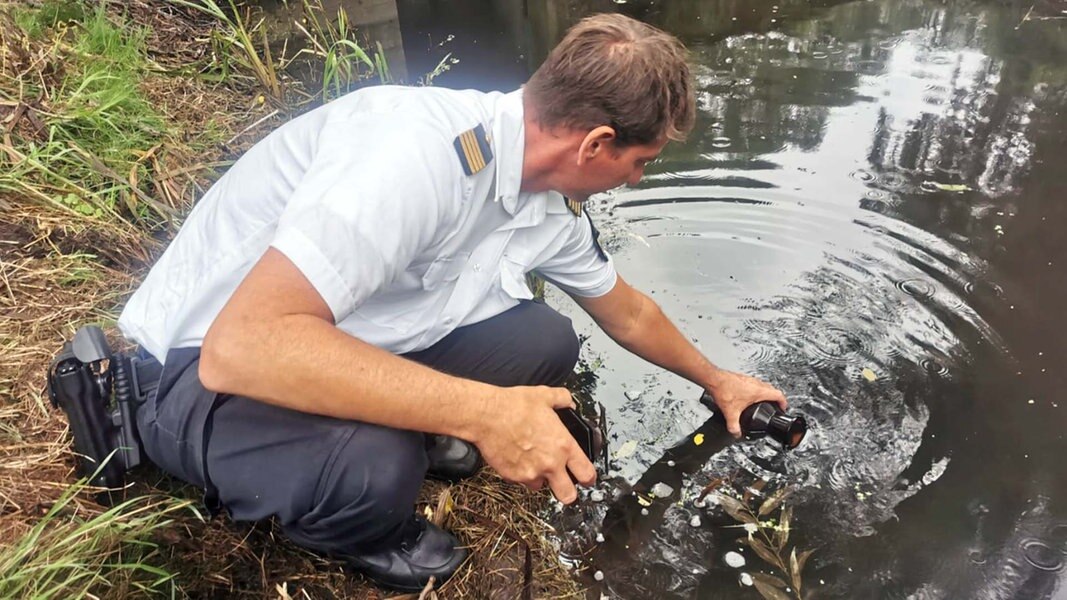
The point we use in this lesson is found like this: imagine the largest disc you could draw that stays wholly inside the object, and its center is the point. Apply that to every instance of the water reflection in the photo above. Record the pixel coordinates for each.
(850, 205)
(874, 190)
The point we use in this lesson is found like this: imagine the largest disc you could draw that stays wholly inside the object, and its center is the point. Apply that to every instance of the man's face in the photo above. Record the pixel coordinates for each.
(604, 166)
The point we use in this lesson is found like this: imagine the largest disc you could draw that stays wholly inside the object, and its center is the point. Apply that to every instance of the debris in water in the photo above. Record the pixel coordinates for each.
(631, 394)
(600, 538)
(698, 439)
(662, 490)
(958, 188)
(735, 560)
(599, 576)
(643, 501)
(670, 463)
(869, 375)
(695, 521)
(644, 512)
(746, 579)
(626, 449)
(596, 496)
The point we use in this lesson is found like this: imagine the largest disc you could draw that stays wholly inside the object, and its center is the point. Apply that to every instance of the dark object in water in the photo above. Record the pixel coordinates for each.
(583, 431)
(766, 419)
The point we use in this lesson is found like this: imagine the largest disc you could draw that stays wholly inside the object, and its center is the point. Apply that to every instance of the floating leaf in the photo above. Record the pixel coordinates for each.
(763, 551)
(698, 439)
(783, 526)
(952, 187)
(771, 580)
(869, 375)
(769, 591)
(803, 558)
(643, 501)
(626, 449)
(794, 569)
(735, 509)
(773, 501)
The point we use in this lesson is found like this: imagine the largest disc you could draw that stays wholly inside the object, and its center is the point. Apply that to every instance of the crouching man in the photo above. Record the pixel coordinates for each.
(345, 311)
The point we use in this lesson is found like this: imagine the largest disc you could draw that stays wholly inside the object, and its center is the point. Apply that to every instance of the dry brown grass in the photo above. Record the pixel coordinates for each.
(59, 271)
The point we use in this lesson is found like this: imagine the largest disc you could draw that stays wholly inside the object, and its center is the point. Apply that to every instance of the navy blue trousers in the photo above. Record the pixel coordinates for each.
(334, 485)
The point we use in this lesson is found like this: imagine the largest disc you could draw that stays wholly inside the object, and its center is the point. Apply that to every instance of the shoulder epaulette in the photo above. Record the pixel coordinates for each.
(473, 150)
(574, 206)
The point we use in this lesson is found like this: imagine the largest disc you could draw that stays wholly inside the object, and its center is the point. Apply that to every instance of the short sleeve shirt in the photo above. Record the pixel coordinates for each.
(369, 197)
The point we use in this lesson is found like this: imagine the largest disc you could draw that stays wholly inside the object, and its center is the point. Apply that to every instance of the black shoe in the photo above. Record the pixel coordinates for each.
(451, 459)
(424, 550)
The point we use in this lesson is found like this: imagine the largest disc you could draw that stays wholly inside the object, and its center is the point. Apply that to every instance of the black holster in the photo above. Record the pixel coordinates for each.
(100, 391)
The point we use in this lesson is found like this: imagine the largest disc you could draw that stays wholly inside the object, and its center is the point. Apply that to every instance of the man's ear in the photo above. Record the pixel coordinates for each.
(596, 141)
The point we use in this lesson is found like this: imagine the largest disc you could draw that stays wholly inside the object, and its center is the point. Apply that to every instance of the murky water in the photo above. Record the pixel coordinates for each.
(870, 214)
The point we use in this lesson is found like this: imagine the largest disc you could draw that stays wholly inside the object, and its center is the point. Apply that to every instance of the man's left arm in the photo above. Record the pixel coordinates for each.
(638, 324)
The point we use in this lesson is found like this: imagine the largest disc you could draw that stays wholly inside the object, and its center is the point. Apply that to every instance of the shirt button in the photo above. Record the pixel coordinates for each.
(477, 268)
(448, 320)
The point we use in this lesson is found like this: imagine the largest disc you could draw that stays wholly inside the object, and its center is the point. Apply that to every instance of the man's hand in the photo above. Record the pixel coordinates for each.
(527, 443)
(733, 392)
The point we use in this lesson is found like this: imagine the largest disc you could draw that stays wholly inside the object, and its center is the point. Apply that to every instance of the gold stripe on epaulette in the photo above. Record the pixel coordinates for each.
(474, 150)
(574, 206)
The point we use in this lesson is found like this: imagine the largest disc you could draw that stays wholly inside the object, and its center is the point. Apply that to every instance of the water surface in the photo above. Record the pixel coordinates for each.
(871, 215)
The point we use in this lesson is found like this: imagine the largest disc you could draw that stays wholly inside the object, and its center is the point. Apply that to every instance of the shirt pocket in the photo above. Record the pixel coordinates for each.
(445, 270)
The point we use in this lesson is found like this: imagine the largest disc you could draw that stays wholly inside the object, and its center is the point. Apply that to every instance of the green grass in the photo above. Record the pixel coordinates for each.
(66, 555)
(95, 122)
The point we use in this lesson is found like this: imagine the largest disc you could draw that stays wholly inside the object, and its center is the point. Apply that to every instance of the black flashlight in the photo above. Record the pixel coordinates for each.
(764, 419)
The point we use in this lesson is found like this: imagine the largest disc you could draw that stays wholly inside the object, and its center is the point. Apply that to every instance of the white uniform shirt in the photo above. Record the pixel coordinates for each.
(368, 197)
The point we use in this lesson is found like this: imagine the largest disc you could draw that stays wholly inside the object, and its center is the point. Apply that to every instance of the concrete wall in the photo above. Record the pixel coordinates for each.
(375, 21)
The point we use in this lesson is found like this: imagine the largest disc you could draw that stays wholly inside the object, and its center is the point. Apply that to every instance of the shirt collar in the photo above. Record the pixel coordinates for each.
(508, 146)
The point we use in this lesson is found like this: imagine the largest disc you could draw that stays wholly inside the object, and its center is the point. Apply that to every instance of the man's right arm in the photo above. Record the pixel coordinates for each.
(275, 340)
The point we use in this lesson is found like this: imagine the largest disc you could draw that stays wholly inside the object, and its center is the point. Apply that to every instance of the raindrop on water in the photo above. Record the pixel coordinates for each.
(862, 175)
(1041, 556)
(916, 288)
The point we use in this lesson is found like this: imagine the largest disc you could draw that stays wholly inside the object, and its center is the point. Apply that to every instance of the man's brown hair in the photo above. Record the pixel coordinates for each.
(613, 70)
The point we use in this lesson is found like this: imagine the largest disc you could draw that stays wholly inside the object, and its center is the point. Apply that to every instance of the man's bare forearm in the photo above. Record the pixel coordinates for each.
(305, 363)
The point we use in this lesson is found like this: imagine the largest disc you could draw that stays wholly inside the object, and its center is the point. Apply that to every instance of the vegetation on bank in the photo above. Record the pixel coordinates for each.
(114, 118)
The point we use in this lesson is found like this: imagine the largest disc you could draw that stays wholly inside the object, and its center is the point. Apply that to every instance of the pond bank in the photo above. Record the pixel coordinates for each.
(117, 117)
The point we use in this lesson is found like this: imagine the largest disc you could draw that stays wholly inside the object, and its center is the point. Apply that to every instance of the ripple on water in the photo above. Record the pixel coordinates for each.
(983, 287)
(894, 181)
(876, 194)
(817, 55)
(917, 288)
(862, 175)
(830, 346)
(721, 142)
(1041, 556)
(1058, 534)
(933, 367)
